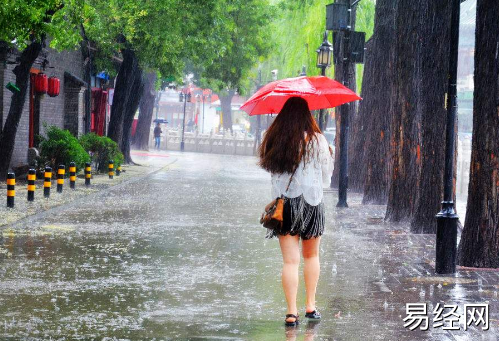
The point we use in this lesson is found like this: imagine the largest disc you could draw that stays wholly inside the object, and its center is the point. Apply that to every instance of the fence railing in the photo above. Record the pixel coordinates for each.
(237, 144)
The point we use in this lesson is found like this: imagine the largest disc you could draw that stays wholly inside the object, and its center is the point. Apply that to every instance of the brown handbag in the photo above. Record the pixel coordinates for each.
(272, 217)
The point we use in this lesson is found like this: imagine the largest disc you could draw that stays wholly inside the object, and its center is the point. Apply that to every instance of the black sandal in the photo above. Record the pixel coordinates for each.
(291, 324)
(315, 315)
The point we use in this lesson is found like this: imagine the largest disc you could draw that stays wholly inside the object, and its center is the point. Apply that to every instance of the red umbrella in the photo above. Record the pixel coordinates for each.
(320, 92)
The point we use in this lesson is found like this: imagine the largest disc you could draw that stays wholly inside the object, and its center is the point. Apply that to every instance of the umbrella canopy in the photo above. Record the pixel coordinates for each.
(320, 92)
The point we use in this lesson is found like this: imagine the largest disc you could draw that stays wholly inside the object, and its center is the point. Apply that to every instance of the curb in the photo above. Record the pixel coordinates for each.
(26, 220)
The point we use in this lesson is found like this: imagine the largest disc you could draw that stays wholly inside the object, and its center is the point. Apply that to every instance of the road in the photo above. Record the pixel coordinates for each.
(179, 255)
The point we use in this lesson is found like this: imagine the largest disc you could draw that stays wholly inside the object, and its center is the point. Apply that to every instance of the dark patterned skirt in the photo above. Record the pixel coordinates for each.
(300, 218)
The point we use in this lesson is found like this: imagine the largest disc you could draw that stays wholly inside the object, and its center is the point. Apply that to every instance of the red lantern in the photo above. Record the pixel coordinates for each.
(41, 83)
(54, 86)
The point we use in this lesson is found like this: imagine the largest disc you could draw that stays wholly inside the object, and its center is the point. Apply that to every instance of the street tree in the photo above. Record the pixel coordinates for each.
(26, 26)
(146, 109)
(405, 124)
(479, 245)
(245, 40)
(150, 37)
(376, 104)
(432, 88)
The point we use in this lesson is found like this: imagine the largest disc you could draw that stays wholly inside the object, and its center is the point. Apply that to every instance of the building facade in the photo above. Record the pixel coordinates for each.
(65, 110)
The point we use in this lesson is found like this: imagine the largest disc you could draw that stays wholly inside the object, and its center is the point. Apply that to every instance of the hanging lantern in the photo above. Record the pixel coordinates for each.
(41, 83)
(54, 86)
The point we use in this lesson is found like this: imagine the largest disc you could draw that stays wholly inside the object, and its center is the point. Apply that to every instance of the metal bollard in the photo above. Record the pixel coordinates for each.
(88, 173)
(72, 175)
(11, 189)
(118, 170)
(60, 178)
(111, 169)
(47, 182)
(31, 184)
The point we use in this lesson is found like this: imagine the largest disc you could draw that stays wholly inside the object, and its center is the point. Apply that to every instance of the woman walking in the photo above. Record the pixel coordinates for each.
(300, 161)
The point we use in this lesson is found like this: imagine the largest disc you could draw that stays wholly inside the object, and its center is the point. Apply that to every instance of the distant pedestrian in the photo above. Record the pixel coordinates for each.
(300, 161)
(157, 136)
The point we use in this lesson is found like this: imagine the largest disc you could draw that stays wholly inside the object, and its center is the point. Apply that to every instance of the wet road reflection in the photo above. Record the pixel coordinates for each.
(180, 255)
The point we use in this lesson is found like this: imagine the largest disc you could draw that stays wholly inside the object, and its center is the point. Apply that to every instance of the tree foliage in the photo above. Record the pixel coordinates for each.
(161, 33)
(298, 28)
(24, 21)
(245, 39)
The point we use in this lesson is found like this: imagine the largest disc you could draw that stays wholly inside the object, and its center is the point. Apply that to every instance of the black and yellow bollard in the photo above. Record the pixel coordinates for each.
(11, 189)
(88, 173)
(60, 178)
(72, 175)
(47, 182)
(31, 184)
(111, 169)
(118, 170)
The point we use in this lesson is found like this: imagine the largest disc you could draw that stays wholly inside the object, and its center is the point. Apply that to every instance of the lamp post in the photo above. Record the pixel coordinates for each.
(344, 126)
(323, 62)
(338, 18)
(203, 97)
(446, 244)
(183, 98)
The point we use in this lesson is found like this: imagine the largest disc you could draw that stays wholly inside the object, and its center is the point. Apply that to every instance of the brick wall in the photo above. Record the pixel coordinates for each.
(52, 109)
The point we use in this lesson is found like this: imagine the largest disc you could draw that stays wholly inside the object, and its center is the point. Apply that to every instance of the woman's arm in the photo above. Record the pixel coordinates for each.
(326, 160)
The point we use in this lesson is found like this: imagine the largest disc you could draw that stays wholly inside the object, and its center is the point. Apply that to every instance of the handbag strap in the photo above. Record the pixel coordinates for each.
(297, 165)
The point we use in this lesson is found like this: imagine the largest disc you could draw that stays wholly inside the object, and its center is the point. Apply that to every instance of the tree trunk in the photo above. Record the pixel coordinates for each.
(378, 103)
(146, 109)
(87, 75)
(352, 107)
(406, 123)
(479, 246)
(226, 105)
(132, 105)
(435, 38)
(8, 134)
(358, 134)
(122, 91)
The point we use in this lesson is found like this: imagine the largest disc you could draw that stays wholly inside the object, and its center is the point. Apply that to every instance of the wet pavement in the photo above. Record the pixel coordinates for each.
(179, 255)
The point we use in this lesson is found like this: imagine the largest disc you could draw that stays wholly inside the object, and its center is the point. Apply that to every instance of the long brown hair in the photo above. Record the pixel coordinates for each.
(285, 139)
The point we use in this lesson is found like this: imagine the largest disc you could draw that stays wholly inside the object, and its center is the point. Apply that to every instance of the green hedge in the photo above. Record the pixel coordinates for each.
(102, 149)
(60, 147)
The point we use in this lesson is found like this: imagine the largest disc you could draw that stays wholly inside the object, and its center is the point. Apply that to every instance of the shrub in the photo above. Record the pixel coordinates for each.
(102, 149)
(60, 147)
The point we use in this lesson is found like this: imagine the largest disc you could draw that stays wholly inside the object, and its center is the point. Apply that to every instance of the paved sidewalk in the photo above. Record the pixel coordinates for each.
(179, 255)
(99, 182)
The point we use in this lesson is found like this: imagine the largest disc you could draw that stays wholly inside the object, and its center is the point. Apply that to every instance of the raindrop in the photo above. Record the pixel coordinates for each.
(334, 270)
(385, 305)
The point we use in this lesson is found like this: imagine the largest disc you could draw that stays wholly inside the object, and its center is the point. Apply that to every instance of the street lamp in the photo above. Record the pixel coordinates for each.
(323, 62)
(183, 98)
(446, 244)
(203, 97)
(324, 54)
(338, 18)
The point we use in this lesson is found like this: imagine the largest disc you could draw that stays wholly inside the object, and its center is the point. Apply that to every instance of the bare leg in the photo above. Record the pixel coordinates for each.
(291, 260)
(311, 270)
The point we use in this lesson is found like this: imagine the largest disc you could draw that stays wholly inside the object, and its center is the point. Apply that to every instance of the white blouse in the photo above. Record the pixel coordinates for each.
(310, 178)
